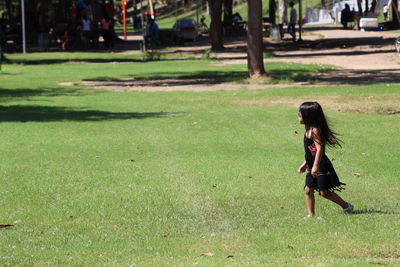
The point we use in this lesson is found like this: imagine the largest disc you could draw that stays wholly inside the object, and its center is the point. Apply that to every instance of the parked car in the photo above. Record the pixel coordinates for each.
(185, 29)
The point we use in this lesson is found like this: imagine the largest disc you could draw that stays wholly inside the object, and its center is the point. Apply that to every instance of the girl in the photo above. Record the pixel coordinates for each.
(321, 175)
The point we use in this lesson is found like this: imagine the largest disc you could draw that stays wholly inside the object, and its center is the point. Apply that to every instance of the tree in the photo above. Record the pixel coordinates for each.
(255, 61)
(359, 3)
(228, 6)
(282, 12)
(395, 14)
(272, 10)
(216, 24)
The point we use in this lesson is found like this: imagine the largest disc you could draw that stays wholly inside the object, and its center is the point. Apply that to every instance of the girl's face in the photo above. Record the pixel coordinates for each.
(300, 118)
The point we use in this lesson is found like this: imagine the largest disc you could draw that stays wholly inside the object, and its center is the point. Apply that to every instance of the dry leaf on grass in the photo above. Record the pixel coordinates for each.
(390, 258)
(207, 254)
(6, 225)
(378, 263)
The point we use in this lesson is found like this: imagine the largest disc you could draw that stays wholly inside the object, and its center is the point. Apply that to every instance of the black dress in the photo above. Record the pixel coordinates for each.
(327, 178)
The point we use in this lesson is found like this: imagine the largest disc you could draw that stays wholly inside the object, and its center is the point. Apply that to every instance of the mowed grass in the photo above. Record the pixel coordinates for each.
(92, 177)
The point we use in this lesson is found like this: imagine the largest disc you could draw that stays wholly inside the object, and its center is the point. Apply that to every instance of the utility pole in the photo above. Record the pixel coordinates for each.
(123, 4)
(300, 20)
(143, 27)
(23, 26)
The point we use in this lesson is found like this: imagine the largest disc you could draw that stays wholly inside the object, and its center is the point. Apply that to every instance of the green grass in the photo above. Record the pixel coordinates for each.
(46, 58)
(92, 177)
(73, 67)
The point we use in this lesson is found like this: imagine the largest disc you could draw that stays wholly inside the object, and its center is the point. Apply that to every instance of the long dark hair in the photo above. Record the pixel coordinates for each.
(313, 116)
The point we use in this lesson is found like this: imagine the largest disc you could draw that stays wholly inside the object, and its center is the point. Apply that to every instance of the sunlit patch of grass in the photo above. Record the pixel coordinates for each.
(268, 54)
(379, 104)
(93, 177)
(320, 36)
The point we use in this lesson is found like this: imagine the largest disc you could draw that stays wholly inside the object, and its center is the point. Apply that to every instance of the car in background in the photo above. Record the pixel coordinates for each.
(185, 30)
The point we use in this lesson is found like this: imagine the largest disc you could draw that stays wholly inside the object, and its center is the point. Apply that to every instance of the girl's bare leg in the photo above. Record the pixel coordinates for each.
(334, 198)
(310, 200)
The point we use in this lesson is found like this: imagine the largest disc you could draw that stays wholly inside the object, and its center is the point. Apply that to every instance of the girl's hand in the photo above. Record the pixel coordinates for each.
(302, 168)
(314, 172)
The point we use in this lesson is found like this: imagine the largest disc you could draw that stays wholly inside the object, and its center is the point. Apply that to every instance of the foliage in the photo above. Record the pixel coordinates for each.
(166, 20)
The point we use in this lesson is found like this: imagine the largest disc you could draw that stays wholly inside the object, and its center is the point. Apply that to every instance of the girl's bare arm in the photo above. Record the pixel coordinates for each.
(319, 146)
(302, 167)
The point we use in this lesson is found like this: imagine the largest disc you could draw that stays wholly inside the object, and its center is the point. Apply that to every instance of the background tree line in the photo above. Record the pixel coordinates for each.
(41, 15)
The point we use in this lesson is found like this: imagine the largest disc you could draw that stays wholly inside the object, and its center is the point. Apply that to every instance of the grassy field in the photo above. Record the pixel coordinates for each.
(93, 177)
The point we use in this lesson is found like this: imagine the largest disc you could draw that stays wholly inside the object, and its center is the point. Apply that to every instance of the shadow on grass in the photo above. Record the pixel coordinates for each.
(30, 113)
(332, 43)
(2, 73)
(9, 95)
(90, 60)
(73, 60)
(372, 211)
(294, 74)
(339, 53)
(161, 79)
(233, 45)
(361, 77)
(25, 93)
(179, 78)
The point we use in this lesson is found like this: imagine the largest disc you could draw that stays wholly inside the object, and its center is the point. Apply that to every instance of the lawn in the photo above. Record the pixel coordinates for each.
(93, 177)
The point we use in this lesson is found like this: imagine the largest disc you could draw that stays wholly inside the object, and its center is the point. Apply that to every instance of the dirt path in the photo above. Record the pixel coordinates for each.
(361, 57)
(349, 49)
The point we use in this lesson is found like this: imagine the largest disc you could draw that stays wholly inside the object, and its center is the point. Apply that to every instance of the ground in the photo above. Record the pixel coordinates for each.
(360, 57)
(93, 177)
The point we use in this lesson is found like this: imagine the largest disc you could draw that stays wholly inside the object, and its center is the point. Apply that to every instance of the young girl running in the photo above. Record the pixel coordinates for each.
(321, 175)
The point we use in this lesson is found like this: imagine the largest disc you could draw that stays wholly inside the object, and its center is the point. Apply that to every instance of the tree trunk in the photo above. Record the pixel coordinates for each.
(272, 9)
(282, 12)
(395, 14)
(373, 5)
(216, 24)
(255, 62)
(228, 12)
(360, 11)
